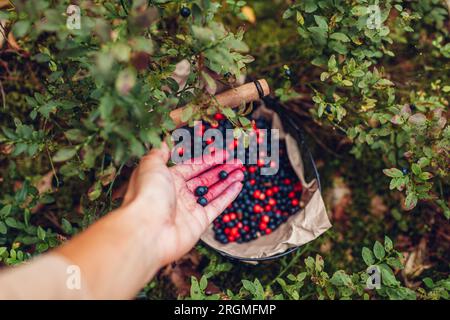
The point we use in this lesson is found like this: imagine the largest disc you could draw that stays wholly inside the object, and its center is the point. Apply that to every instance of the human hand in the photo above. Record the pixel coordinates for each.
(164, 199)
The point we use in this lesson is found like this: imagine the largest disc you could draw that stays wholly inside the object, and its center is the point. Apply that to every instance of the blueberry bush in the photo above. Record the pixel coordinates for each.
(85, 90)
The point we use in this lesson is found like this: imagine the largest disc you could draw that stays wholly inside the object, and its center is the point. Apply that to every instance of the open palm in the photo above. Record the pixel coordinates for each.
(180, 219)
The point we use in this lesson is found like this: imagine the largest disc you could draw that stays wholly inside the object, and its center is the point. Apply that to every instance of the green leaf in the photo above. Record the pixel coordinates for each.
(228, 112)
(321, 22)
(415, 168)
(388, 245)
(378, 250)
(41, 233)
(187, 113)
(66, 226)
(411, 200)
(20, 28)
(249, 286)
(2, 250)
(6, 210)
(387, 276)
(74, 135)
(339, 36)
(425, 175)
(393, 173)
(203, 283)
(3, 228)
(340, 278)
(196, 293)
(367, 256)
(64, 154)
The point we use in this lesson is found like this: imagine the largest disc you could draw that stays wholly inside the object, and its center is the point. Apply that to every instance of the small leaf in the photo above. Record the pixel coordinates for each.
(378, 250)
(388, 245)
(415, 168)
(393, 173)
(340, 37)
(64, 154)
(3, 228)
(367, 256)
(41, 233)
(411, 201)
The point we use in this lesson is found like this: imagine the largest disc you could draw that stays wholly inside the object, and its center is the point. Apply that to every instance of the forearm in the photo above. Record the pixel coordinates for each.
(115, 255)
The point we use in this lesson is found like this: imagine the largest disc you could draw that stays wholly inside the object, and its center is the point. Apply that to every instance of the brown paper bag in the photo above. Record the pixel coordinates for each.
(302, 227)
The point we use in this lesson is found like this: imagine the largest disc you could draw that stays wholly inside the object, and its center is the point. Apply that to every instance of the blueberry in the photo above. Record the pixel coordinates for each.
(328, 109)
(201, 191)
(223, 175)
(56, 183)
(404, 171)
(288, 72)
(202, 201)
(185, 12)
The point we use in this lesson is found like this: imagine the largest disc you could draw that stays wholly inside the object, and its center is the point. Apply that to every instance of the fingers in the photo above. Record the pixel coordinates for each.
(156, 156)
(217, 189)
(210, 177)
(196, 166)
(218, 205)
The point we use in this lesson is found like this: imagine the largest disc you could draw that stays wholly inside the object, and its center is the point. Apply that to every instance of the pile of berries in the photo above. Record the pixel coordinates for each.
(265, 202)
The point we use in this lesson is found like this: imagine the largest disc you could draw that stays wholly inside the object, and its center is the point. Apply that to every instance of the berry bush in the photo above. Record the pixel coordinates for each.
(85, 90)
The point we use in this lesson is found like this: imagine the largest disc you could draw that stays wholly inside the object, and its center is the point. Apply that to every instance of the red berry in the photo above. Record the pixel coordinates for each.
(214, 125)
(209, 141)
(231, 238)
(260, 162)
(269, 193)
(298, 186)
(287, 181)
(234, 231)
(219, 116)
(252, 169)
(291, 194)
(233, 216)
(267, 208)
(226, 218)
(275, 189)
(257, 208)
(240, 225)
(268, 231)
(235, 143)
(246, 228)
(256, 194)
(278, 212)
(265, 218)
(262, 196)
(272, 201)
(262, 226)
(294, 202)
(180, 152)
(252, 182)
(227, 231)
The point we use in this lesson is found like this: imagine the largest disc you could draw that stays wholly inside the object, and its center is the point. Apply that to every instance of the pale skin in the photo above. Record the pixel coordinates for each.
(158, 222)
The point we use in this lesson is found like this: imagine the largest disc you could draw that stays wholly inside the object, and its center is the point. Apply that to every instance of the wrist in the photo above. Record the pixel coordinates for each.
(147, 229)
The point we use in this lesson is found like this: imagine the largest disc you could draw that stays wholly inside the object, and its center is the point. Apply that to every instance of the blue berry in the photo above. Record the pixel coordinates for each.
(201, 191)
(202, 201)
(185, 12)
(223, 175)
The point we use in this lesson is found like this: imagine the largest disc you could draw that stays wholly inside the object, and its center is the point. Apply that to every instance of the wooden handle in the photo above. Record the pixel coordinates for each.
(231, 98)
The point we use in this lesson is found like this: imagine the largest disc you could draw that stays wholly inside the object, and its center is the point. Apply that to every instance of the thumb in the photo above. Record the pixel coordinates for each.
(156, 156)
